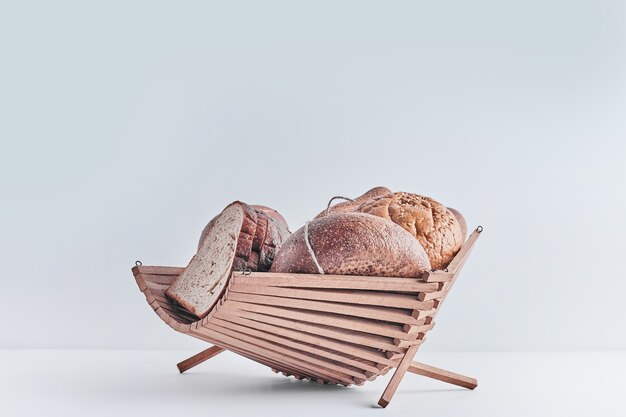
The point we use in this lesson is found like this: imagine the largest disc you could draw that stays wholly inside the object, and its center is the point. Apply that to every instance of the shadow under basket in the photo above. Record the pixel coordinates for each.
(331, 329)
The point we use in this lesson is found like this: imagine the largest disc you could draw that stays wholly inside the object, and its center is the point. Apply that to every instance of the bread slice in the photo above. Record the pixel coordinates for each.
(225, 247)
(239, 237)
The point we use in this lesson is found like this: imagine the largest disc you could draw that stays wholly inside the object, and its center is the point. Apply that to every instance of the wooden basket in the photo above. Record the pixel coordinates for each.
(331, 329)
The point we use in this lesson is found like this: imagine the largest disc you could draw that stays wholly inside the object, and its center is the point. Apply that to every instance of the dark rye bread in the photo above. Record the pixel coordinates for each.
(239, 237)
(434, 226)
(350, 206)
(353, 244)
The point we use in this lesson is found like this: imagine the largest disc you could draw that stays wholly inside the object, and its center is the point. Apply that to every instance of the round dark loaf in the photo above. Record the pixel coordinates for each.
(353, 244)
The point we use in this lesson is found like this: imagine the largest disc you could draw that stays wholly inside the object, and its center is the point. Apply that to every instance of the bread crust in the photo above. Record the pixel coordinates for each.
(353, 244)
(434, 226)
(350, 206)
(257, 242)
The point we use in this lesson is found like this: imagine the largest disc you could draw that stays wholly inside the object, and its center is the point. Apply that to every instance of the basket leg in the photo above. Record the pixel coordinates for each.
(443, 375)
(385, 399)
(198, 358)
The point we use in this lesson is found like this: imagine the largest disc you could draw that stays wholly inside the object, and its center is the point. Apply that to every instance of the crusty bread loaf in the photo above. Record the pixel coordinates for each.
(462, 222)
(271, 213)
(436, 227)
(239, 237)
(349, 206)
(352, 244)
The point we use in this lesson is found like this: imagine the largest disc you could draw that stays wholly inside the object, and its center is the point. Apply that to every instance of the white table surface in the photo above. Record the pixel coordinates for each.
(135, 383)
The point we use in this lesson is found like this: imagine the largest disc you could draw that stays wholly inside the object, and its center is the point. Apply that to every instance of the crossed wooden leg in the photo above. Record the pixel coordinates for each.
(407, 364)
(198, 358)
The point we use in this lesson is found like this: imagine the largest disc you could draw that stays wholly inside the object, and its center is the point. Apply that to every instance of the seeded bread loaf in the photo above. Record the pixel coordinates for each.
(352, 244)
(434, 226)
(239, 237)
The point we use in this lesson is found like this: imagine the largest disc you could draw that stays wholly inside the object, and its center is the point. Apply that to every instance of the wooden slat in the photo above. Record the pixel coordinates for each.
(425, 296)
(393, 384)
(338, 361)
(282, 352)
(280, 324)
(443, 375)
(359, 338)
(158, 270)
(407, 343)
(260, 355)
(198, 358)
(463, 253)
(421, 314)
(342, 296)
(347, 355)
(422, 328)
(372, 312)
(439, 276)
(160, 279)
(329, 319)
(335, 281)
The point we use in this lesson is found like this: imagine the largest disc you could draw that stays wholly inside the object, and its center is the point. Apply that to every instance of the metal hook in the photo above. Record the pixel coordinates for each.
(138, 263)
(245, 271)
(479, 229)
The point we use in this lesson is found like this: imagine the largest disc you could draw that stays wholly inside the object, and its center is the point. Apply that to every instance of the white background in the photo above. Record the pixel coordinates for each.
(126, 126)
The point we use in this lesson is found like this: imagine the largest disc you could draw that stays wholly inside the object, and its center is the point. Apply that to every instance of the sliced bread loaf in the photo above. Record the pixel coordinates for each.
(239, 237)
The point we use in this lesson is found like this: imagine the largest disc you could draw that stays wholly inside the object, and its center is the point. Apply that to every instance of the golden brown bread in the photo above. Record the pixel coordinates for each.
(462, 222)
(353, 244)
(436, 227)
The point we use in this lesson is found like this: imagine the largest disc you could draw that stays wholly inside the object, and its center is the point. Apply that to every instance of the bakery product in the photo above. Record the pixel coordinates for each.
(239, 237)
(280, 223)
(349, 206)
(271, 213)
(462, 222)
(436, 227)
(352, 244)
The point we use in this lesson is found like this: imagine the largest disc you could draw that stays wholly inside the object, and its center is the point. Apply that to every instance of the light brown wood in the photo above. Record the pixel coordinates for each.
(341, 296)
(198, 358)
(324, 368)
(265, 356)
(323, 328)
(237, 324)
(351, 336)
(329, 319)
(425, 296)
(331, 360)
(395, 380)
(349, 349)
(334, 281)
(379, 313)
(443, 375)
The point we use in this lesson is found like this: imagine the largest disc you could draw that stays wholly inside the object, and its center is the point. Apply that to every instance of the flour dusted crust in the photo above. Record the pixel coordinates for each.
(434, 226)
(238, 238)
(353, 244)
(350, 206)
